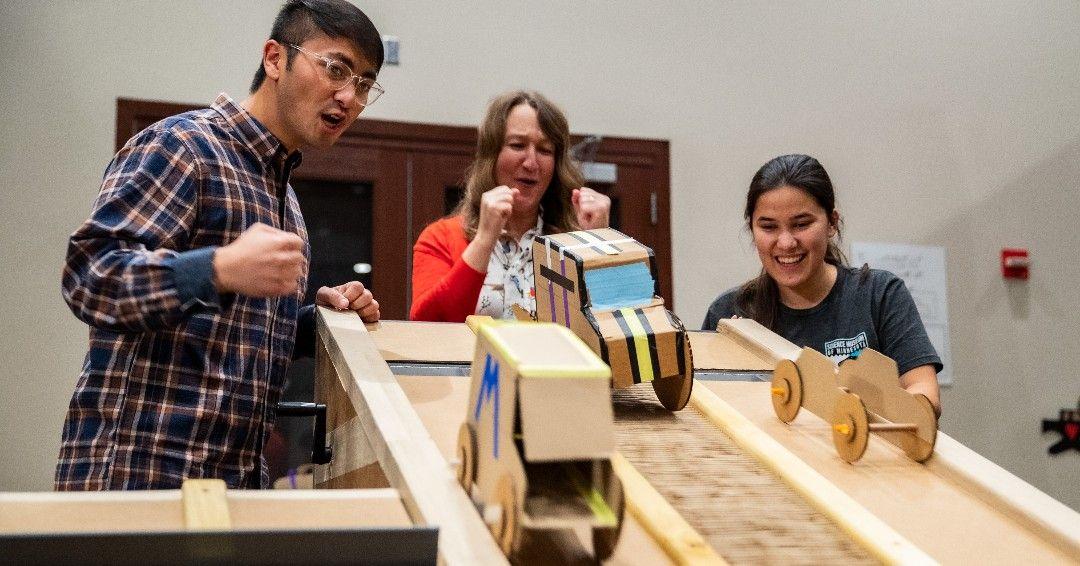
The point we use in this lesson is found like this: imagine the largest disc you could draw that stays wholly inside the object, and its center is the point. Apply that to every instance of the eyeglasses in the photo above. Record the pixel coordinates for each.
(340, 76)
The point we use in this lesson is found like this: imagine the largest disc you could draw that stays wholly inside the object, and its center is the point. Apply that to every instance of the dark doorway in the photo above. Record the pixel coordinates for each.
(338, 218)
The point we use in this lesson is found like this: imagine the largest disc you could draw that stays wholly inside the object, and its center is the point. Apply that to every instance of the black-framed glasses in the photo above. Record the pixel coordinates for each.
(340, 76)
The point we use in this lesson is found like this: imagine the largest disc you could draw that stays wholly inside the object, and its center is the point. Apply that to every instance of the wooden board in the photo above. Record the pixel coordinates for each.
(720, 351)
(764, 343)
(205, 506)
(941, 517)
(406, 341)
(440, 402)
(162, 510)
(405, 451)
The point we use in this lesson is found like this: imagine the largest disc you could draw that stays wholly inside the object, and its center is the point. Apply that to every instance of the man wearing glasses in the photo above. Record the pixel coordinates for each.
(193, 263)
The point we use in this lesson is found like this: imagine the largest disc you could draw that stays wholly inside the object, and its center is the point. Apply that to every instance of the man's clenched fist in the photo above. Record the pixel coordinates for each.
(262, 262)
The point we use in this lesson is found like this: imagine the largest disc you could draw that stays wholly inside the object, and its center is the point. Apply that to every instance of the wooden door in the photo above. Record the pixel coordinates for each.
(639, 197)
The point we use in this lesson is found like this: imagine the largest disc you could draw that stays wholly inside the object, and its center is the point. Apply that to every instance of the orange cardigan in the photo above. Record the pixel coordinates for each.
(444, 287)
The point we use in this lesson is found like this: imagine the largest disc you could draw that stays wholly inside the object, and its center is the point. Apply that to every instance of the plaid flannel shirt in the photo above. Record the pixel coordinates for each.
(179, 381)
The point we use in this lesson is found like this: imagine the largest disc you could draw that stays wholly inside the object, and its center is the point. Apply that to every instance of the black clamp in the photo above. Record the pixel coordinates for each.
(320, 452)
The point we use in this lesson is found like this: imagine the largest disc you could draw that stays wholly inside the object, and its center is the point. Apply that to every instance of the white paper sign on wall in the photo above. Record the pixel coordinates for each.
(923, 270)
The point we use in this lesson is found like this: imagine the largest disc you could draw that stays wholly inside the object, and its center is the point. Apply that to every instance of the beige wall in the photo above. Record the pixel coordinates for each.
(954, 125)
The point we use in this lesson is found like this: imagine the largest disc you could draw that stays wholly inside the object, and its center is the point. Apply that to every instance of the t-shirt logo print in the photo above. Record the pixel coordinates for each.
(841, 349)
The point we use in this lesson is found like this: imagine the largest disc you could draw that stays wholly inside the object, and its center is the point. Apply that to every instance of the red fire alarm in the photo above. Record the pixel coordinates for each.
(1015, 263)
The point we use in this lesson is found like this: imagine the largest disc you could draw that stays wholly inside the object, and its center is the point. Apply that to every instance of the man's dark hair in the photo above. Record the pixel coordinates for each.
(300, 20)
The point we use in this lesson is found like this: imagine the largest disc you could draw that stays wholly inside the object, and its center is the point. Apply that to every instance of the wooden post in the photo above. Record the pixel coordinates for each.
(205, 506)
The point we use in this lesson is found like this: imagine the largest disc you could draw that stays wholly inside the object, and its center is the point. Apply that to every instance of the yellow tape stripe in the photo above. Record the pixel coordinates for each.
(641, 344)
(605, 516)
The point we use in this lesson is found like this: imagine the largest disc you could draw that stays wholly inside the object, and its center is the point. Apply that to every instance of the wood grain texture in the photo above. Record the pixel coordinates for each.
(924, 503)
(205, 507)
(400, 340)
(741, 508)
(406, 453)
(682, 543)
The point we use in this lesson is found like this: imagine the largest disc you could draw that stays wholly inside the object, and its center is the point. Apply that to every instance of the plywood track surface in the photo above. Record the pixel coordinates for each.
(941, 517)
(744, 511)
(440, 402)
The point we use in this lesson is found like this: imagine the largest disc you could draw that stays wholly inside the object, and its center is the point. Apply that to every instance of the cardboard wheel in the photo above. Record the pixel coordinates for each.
(851, 427)
(606, 538)
(919, 446)
(674, 392)
(787, 390)
(509, 525)
(466, 451)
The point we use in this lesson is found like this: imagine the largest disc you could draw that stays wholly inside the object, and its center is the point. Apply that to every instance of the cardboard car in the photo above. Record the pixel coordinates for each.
(536, 445)
(601, 284)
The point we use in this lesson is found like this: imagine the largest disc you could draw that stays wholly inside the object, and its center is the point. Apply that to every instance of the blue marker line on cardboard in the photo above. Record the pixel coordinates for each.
(489, 387)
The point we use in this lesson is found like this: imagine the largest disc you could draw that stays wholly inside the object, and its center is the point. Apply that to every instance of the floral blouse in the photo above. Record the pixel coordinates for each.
(510, 276)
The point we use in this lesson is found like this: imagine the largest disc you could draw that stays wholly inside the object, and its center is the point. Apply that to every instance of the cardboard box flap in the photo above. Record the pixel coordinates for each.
(545, 350)
(595, 248)
(566, 419)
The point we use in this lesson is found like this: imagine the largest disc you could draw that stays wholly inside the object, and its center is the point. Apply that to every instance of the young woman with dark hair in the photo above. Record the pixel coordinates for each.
(808, 294)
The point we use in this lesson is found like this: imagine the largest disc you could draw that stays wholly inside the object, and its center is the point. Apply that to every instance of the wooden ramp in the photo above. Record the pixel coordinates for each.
(923, 502)
(748, 508)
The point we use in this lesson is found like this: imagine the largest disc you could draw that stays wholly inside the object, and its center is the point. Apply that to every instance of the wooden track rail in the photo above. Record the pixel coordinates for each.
(1050, 519)
(380, 428)
(678, 539)
(405, 451)
(880, 540)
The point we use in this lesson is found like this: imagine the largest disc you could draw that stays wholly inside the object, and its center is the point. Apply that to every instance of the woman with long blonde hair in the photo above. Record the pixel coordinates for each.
(522, 184)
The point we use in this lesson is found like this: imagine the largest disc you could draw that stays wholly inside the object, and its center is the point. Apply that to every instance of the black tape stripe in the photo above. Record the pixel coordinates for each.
(585, 241)
(680, 335)
(596, 326)
(631, 348)
(595, 235)
(653, 354)
(557, 278)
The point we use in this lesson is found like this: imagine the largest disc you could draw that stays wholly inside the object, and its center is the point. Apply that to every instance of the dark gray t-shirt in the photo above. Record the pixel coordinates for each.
(872, 310)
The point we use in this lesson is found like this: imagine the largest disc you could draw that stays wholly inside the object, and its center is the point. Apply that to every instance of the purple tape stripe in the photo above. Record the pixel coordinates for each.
(565, 296)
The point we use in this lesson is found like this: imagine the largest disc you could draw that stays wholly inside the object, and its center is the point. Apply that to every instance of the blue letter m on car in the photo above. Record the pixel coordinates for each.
(489, 388)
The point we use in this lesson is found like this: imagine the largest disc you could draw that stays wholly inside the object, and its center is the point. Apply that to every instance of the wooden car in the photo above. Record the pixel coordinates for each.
(864, 396)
